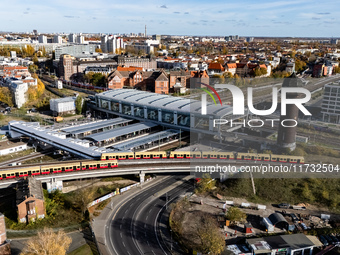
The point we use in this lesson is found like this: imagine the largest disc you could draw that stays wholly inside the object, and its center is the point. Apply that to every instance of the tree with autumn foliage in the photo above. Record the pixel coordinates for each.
(47, 242)
(35, 92)
(6, 96)
(211, 239)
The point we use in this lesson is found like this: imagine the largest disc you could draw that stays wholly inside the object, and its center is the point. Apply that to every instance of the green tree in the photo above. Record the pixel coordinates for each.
(235, 214)
(98, 79)
(32, 68)
(206, 183)
(79, 104)
(307, 193)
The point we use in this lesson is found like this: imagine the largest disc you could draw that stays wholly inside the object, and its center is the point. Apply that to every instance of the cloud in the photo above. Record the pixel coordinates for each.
(323, 13)
(176, 12)
(26, 12)
(315, 18)
(28, 9)
(186, 13)
(163, 6)
(71, 17)
(94, 18)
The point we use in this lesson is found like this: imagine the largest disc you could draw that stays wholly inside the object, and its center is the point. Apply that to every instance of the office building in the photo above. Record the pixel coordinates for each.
(330, 107)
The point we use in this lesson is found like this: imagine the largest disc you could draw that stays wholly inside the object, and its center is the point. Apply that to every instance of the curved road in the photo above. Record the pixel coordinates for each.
(133, 228)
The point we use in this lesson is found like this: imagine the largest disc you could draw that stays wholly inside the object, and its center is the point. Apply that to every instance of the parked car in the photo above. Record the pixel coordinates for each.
(303, 225)
(323, 240)
(294, 217)
(334, 239)
(284, 205)
(329, 239)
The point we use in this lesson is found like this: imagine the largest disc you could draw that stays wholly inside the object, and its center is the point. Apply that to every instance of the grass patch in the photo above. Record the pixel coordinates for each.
(103, 204)
(320, 192)
(61, 212)
(82, 250)
(112, 179)
(44, 158)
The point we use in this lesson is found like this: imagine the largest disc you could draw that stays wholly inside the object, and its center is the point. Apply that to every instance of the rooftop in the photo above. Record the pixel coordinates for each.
(78, 129)
(164, 102)
(10, 144)
(128, 145)
(120, 131)
(63, 100)
(295, 241)
(29, 188)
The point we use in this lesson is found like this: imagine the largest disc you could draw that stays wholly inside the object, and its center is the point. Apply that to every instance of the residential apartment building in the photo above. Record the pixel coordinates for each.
(65, 66)
(231, 68)
(112, 44)
(42, 39)
(215, 68)
(71, 38)
(146, 63)
(330, 107)
(74, 50)
(105, 70)
(57, 39)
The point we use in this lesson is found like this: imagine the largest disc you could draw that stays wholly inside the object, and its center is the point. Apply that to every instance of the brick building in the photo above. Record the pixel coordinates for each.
(154, 81)
(30, 200)
(65, 66)
(178, 78)
(198, 77)
(5, 248)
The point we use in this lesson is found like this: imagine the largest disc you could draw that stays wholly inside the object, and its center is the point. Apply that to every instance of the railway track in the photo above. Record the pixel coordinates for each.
(24, 158)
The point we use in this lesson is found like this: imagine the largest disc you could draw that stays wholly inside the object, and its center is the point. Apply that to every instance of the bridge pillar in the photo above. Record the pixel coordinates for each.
(141, 177)
(53, 185)
(223, 176)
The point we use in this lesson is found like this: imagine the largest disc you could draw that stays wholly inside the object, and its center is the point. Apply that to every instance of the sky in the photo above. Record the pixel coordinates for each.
(279, 18)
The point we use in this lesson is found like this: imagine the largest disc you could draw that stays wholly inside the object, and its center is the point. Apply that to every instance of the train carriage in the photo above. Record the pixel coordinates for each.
(117, 155)
(180, 154)
(245, 156)
(225, 155)
(19, 172)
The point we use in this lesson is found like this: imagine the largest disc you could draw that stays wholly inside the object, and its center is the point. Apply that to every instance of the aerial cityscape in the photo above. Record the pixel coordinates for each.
(169, 128)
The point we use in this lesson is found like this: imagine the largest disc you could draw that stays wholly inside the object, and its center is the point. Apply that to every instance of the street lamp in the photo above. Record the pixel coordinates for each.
(171, 239)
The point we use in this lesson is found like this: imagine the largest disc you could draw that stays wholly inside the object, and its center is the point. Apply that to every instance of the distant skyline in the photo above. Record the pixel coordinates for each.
(300, 18)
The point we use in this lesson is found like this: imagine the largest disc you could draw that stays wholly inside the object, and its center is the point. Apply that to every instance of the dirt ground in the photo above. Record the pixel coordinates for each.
(214, 207)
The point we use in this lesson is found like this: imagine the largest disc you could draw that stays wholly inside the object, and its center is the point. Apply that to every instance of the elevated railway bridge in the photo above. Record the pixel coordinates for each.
(155, 166)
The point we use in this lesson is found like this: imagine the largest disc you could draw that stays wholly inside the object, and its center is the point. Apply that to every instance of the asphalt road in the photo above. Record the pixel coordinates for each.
(133, 227)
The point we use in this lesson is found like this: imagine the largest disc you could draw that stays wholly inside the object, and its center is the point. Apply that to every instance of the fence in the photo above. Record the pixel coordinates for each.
(112, 194)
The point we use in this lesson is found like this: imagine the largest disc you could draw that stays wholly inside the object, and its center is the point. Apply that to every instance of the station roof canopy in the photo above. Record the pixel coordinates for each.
(95, 125)
(164, 102)
(98, 137)
(128, 145)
